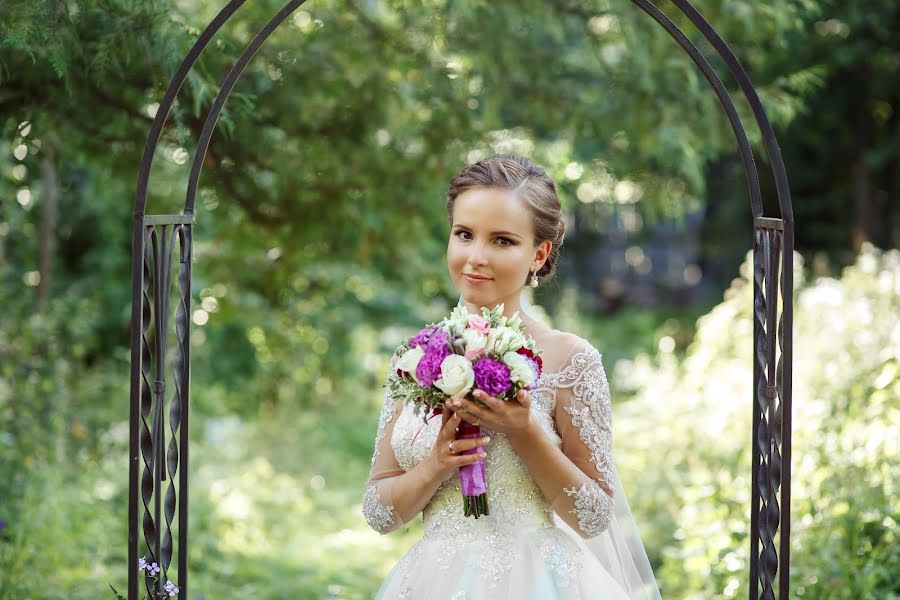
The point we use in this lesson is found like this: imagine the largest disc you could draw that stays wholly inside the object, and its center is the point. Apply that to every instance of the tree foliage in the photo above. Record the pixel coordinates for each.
(846, 379)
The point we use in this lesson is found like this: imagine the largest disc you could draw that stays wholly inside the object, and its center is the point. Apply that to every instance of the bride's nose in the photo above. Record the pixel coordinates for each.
(477, 256)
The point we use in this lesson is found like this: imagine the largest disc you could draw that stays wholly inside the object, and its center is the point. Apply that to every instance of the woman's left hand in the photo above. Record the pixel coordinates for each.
(512, 417)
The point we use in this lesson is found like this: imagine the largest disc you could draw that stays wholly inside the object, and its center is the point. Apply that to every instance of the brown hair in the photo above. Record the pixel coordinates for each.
(529, 182)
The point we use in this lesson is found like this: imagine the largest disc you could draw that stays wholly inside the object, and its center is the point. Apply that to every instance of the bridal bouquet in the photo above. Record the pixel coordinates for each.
(457, 355)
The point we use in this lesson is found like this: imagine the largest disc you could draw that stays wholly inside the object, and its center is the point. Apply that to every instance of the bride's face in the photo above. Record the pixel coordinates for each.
(491, 246)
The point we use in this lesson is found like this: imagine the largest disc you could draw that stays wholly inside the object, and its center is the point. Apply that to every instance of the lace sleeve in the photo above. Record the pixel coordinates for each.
(378, 505)
(584, 419)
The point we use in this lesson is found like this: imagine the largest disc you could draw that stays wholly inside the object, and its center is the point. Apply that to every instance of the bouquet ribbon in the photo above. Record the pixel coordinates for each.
(471, 476)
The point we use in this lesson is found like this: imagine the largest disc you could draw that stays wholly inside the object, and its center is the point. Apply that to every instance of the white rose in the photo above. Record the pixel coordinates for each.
(520, 370)
(409, 361)
(475, 340)
(457, 376)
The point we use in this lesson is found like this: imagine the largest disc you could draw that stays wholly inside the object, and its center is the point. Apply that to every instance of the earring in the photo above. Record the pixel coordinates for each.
(534, 279)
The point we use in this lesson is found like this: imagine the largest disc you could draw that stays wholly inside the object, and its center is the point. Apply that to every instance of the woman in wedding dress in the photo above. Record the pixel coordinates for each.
(559, 526)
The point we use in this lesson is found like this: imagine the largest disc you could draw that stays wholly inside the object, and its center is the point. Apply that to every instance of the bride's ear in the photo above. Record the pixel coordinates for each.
(543, 251)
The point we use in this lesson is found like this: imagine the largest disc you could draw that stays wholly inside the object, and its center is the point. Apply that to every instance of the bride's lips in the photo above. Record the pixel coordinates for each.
(475, 278)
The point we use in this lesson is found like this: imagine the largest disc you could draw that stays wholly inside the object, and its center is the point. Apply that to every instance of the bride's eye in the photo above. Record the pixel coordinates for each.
(461, 233)
(508, 241)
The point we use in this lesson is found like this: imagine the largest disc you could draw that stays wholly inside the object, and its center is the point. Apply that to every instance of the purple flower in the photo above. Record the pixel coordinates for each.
(491, 376)
(438, 341)
(422, 337)
(429, 367)
(2, 524)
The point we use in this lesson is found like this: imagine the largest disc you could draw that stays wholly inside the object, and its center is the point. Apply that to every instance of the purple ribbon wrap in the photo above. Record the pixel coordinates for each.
(472, 476)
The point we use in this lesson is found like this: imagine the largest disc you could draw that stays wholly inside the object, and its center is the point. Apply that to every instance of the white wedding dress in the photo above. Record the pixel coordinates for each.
(530, 546)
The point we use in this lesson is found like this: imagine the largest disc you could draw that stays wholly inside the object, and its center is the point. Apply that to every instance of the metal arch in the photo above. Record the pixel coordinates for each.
(759, 113)
(773, 239)
(162, 113)
(770, 235)
(233, 75)
(724, 98)
(140, 394)
(771, 420)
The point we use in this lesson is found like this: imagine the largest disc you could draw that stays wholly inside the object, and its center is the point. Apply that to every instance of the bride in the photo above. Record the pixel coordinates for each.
(559, 525)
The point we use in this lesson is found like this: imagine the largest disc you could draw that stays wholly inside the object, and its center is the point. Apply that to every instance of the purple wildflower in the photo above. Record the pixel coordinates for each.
(429, 367)
(491, 376)
(2, 524)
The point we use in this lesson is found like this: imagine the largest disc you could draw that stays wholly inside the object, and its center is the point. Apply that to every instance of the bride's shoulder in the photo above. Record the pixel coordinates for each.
(571, 350)
(574, 343)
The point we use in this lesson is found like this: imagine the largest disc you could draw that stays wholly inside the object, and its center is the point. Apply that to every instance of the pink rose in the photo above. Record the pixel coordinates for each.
(479, 324)
(472, 354)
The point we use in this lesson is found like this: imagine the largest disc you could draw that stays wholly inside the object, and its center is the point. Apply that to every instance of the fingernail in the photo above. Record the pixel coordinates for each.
(487, 439)
(457, 402)
(477, 393)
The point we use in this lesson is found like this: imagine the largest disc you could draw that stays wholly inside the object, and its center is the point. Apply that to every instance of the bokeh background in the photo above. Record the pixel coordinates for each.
(319, 244)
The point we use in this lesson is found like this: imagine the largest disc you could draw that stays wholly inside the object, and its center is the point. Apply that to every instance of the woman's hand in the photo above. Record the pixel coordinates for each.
(446, 459)
(512, 418)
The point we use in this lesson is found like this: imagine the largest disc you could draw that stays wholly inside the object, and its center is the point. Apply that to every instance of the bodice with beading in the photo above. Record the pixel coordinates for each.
(513, 497)
(516, 505)
(521, 521)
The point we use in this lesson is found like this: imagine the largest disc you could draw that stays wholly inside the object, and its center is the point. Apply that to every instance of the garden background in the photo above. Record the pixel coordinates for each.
(319, 244)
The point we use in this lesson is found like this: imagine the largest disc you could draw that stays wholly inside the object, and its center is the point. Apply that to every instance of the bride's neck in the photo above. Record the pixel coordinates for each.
(533, 327)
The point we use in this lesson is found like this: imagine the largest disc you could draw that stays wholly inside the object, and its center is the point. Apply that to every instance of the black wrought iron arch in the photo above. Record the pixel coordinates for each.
(153, 246)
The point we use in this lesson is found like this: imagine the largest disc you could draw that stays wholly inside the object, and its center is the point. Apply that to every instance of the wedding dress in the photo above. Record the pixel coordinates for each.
(573, 545)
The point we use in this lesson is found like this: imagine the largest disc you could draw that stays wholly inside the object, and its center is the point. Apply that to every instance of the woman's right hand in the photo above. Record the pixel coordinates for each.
(446, 463)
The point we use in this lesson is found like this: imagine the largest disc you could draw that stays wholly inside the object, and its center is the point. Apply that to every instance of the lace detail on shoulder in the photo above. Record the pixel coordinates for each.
(379, 516)
(593, 507)
(573, 371)
(590, 407)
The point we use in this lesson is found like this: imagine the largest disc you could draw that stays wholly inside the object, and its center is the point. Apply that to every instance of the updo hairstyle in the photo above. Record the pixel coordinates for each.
(532, 184)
